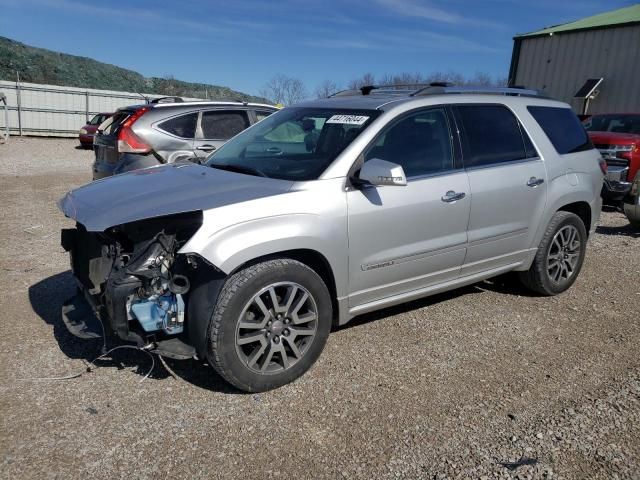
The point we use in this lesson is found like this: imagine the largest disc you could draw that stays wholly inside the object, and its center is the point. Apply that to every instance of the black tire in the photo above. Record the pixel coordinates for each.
(538, 278)
(238, 292)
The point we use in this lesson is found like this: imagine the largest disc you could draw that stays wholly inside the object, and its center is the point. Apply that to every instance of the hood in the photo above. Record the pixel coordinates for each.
(160, 191)
(613, 138)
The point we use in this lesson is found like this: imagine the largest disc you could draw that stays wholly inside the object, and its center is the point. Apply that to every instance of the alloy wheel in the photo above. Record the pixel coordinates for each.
(276, 327)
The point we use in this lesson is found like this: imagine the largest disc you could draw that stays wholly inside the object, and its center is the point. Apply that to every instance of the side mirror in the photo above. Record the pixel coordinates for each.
(380, 172)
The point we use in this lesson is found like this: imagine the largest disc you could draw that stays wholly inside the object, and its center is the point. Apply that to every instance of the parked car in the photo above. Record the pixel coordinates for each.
(141, 136)
(328, 210)
(617, 136)
(86, 133)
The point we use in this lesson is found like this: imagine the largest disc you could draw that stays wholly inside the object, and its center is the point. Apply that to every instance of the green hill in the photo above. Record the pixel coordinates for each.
(38, 65)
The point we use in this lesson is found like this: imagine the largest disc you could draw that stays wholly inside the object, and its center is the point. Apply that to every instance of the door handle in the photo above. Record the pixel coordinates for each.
(534, 182)
(273, 150)
(206, 148)
(452, 196)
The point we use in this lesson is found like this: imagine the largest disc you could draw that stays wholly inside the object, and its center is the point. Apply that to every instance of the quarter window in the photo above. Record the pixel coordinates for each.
(563, 128)
(420, 143)
(217, 125)
(183, 126)
(492, 135)
(261, 114)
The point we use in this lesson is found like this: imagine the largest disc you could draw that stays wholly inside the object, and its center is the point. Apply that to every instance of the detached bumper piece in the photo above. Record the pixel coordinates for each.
(80, 319)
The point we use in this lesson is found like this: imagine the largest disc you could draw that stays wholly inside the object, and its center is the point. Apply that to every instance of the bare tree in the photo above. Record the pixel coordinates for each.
(284, 89)
(482, 79)
(326, 88)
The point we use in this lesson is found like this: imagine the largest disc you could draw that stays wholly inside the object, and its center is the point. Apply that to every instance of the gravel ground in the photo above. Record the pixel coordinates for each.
(446, 387)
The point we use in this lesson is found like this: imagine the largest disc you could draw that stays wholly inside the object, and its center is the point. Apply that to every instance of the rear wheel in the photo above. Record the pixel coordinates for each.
(269, 325)
(560, 255)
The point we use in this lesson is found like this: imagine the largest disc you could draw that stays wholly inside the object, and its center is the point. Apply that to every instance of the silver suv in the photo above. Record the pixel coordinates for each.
(330, 209)
(142, 136)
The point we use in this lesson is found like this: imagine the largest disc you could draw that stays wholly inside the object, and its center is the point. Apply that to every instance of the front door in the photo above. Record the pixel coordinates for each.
(403, 238)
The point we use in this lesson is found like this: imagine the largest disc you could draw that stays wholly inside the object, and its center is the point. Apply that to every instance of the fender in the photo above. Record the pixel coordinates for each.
(233, 235)
(563, 190)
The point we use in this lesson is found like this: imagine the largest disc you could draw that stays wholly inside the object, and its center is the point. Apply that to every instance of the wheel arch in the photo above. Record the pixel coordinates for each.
(580, 208)
(313, 259)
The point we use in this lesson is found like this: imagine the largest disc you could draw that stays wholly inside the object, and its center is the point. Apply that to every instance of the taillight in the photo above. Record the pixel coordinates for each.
(127, 140)
(603, 165)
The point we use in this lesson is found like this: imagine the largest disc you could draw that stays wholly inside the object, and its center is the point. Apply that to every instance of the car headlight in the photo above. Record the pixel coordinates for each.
(83, 131)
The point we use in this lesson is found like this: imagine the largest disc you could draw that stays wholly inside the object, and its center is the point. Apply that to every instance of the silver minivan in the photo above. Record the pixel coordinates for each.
(330, 209)
(141, 136)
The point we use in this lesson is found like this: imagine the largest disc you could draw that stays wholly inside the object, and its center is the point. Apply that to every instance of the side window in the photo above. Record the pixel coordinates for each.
(492, 135)
(420, 143)
(222, 125)
(262, 114)
(563, 128)
(183, 126)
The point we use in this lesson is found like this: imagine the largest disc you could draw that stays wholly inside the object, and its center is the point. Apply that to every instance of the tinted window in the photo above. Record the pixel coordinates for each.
(563, 128)
(420, 143)
(223, 125)
(183, 126)
(492, 135)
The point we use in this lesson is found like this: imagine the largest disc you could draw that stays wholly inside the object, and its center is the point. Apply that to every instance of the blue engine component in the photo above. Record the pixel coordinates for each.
(160, 312)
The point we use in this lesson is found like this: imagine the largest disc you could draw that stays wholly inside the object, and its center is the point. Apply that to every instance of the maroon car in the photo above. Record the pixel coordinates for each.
(87, 132)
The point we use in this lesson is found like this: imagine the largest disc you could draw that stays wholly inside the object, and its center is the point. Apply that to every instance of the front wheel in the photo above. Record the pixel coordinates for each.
(269, 325)
(560, 255)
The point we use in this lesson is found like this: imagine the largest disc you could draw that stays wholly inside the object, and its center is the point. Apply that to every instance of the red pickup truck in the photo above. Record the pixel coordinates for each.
(617, 136)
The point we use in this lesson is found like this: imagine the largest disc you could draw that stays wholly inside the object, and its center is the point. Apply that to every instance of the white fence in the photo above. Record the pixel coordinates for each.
(51, 110)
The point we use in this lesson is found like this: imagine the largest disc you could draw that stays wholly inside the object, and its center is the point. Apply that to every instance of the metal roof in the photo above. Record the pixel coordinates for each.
(607, 19)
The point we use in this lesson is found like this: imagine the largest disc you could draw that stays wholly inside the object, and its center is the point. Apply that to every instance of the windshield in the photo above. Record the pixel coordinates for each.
(613, 123)
(97, 120)
(294, 143)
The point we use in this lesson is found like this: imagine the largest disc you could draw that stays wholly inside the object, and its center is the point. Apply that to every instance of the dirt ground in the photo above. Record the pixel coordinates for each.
(447, 387)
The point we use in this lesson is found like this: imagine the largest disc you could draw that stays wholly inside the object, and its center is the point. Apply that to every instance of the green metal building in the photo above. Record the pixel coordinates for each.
(592, 64)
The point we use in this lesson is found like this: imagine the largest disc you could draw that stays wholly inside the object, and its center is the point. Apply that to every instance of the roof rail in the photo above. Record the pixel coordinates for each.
(388, 89)
(514, 91)
(439, 88)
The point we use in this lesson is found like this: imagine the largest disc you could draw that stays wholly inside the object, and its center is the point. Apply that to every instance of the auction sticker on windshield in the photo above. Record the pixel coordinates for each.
(348, 119)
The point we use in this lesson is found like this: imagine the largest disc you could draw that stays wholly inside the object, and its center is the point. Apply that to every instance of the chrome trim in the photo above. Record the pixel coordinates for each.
(505, 164)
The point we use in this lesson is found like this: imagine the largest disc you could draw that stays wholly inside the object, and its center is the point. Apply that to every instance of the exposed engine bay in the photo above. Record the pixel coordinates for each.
(134, 277)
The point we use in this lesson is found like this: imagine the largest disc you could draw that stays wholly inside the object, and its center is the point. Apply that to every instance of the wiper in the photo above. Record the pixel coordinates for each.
(239, 169)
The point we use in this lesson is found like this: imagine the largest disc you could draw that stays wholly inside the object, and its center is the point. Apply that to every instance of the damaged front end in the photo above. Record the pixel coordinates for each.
(137, 282)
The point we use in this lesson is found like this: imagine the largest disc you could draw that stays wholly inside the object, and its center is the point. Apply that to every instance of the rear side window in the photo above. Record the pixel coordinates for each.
(492, 135)
(183, 126)
(261, 114)
(563, 128)
(222, 125)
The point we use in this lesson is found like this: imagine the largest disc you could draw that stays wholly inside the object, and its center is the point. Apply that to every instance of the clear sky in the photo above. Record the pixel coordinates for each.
(242, 43)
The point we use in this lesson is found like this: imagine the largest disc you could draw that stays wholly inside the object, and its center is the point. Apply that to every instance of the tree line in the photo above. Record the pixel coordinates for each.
(286, 90)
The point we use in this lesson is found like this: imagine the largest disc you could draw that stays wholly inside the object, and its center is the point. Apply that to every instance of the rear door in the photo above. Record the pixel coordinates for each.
(508, 182)
(216, 127)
